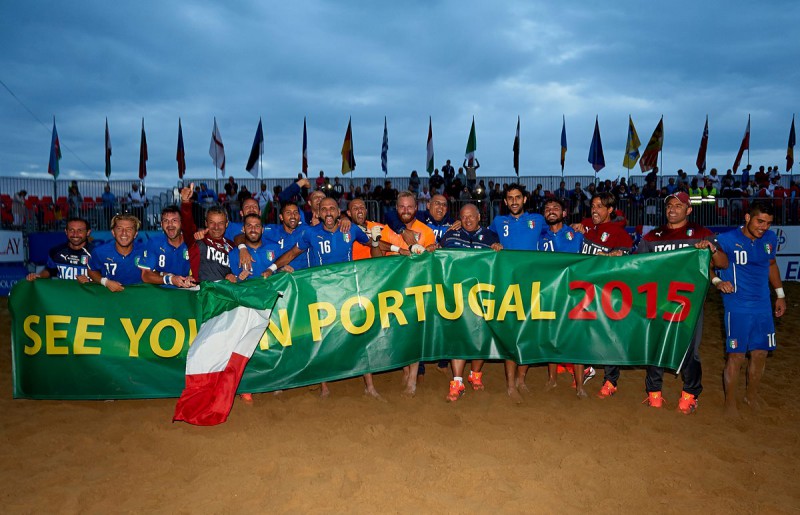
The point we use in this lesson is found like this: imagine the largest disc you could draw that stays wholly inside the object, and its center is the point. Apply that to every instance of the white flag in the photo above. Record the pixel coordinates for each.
(217, 149)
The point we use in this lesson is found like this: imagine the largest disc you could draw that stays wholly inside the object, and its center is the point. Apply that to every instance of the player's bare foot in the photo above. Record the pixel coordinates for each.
(582, 394)
(514, 395)
(324, 392)
(409, 391)
(277, 393)
(550, 385)
(756, 402)
(445, 371)
(731, 411)
(523, 388)
(373, 393)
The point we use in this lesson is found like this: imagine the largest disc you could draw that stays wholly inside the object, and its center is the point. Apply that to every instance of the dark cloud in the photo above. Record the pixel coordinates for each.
(86, 61)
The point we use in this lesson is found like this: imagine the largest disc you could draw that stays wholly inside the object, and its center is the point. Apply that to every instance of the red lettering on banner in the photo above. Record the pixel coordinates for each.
(582, 310)
(579, 312)
(686, 304)
(605, 300)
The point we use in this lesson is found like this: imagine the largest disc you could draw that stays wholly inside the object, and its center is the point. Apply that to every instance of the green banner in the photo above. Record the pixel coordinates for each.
(74, 341)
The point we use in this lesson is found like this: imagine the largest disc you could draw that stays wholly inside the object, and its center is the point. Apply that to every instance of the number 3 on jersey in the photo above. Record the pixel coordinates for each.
(505, 230)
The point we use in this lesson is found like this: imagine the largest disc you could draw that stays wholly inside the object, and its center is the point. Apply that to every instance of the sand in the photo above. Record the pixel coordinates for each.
(351, 454)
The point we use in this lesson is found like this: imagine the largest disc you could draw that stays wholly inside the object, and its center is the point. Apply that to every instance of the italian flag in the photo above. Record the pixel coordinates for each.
(234, 318)
(472, 144)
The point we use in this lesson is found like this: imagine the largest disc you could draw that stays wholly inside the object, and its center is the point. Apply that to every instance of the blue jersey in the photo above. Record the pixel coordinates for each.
(438, 228)
(565, 240)
(285, 240)
(482, 238)
(160, 256)
(521, 233)
(327, 248)
(66, 263)
(263, 257)
(115, 266)
(233, 230)
(748, 271)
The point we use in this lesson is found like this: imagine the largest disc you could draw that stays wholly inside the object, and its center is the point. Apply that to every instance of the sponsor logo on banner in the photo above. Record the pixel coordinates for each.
(11, 248)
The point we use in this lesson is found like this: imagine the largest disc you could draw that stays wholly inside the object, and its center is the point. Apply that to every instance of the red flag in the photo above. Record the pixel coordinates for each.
(143, 155)
(701, 154)
(744, 146)
(180, 156)
(790, 148)
(649, 159)
(305, 148)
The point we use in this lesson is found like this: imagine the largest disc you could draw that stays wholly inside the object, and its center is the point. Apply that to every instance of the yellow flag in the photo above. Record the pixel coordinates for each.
(632, 147)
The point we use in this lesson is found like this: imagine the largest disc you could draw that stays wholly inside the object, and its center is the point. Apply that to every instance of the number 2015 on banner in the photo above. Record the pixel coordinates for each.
(586, 308)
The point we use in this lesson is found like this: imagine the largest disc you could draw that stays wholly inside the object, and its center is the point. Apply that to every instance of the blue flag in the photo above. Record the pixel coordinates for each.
(596, 150)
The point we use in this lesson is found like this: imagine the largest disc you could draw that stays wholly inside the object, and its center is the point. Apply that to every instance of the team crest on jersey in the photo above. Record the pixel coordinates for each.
(768, 248)
(271, 255)
(185, 253)
(480, 238)
(84, 260)
(733, 343)
(531, 224)
(570, 235)
(604, 237)
(347, 238)
(689, 232)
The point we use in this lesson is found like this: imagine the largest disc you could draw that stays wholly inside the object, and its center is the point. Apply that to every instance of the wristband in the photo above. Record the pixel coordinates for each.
(103, 281)
(167, 279)
(715, 281)
(273, 267)
(394, 248)
(779, 292)
(241, 246)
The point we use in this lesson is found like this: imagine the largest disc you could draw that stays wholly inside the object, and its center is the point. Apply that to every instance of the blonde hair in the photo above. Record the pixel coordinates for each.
(125, 217)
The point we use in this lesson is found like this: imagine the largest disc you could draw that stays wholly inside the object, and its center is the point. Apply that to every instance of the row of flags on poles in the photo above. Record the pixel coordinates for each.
(646, 160)
(649, 158)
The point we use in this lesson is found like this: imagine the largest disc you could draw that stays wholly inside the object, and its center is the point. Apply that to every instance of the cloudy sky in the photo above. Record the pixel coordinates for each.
(330, 60)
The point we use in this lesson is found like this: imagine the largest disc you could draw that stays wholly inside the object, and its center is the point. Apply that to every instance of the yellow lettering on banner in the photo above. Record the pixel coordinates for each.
(177, 344)
(30, 350)
(385, 309)
(441, 306)
(536, 305)
(82, 334)
(512, 303)
(417, 292)
(52, 335)
(134, 335)
(283, 333)
(318, 323)
(192, 331)
(369, 311)
(484, 308)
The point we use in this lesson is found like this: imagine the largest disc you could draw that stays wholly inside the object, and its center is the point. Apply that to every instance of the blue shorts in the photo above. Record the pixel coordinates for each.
(749, 331)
